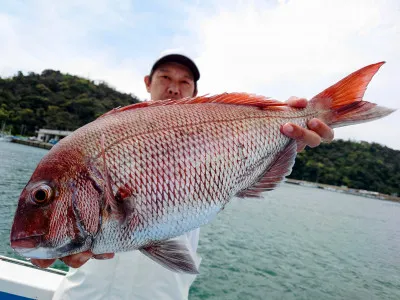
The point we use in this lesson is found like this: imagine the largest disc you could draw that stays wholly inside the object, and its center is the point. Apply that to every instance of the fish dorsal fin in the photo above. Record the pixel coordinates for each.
(275, 174)
(173, 255)
(225, 98)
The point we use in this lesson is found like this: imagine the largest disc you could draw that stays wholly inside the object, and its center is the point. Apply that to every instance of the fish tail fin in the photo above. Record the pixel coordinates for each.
(341, 104)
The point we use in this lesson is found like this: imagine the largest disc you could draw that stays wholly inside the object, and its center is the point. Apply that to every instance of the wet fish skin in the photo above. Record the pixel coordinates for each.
(140, 175)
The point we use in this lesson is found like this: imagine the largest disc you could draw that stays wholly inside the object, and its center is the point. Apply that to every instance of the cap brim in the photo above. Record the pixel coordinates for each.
(180, 59)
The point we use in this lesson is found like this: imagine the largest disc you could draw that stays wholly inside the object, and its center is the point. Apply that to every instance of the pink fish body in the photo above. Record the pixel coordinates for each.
(140, 175)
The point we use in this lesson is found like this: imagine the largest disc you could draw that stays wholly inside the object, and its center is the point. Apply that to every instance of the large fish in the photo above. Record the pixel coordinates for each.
(140, 175)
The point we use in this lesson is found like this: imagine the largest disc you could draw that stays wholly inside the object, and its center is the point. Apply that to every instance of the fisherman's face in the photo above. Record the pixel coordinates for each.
(170, 81)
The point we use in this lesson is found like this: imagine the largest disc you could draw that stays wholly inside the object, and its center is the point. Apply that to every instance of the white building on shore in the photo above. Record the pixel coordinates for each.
(45, 135)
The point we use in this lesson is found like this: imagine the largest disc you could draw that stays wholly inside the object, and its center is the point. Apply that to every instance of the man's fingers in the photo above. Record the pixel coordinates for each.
(301, 135)
(104, 256)
(297, 102)
(323, 130)
(74, 260)
(42, 263)
(77, 260)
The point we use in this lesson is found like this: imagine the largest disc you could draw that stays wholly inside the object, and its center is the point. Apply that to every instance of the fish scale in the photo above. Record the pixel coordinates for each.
(215, 168)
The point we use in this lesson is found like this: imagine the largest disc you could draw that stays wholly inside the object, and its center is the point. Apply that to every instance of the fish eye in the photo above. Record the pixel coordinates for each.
(42, 194)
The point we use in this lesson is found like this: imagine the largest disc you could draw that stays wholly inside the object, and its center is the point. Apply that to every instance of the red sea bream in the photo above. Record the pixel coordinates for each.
(140, 175)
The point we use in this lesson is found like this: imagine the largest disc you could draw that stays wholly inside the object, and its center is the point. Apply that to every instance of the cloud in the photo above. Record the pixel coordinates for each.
(294, 41)
(275, 48)
(300, 48)
(94, 39)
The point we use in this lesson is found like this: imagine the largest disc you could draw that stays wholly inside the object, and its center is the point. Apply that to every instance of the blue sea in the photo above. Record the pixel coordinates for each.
(296, 243)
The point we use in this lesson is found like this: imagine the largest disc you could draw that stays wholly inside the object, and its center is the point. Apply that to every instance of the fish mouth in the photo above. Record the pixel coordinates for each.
(33, 247)
(38, 253)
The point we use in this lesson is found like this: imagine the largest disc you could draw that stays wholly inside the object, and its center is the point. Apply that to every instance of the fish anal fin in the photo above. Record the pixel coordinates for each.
(275, 174)
(173, 255)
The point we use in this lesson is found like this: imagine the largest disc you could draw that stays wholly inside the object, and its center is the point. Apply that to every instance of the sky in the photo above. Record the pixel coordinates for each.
(273, 48)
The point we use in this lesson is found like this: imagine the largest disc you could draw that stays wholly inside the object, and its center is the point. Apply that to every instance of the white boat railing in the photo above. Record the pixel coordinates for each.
(28, 264)
(21, 280)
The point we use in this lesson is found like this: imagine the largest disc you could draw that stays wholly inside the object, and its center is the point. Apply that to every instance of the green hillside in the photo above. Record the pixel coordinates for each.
(55, 101)
(358, 165)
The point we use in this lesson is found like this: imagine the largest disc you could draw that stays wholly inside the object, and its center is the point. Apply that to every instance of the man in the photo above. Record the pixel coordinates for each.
(132, 275)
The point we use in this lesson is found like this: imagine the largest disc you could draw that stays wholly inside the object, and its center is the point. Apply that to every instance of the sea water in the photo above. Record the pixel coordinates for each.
(296, 243)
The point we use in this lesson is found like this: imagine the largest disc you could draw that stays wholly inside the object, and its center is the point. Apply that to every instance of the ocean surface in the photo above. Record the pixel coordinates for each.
(297, 243)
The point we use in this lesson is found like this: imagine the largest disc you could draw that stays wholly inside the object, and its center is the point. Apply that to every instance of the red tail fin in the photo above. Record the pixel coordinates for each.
(344, 103)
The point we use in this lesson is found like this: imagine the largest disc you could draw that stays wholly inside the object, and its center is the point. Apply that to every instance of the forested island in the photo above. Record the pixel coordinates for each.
(55, 100)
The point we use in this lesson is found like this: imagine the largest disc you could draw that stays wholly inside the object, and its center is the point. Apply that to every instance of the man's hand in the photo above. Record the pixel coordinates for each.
(318, 131)
(74, 260)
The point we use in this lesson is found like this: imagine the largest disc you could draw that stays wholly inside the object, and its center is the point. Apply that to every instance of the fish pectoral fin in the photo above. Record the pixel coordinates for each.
(173, 255)
(275, 174)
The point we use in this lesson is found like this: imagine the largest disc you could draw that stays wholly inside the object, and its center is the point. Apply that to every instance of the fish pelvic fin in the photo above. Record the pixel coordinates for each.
(274, 174)
(173, 255)
(342, 104)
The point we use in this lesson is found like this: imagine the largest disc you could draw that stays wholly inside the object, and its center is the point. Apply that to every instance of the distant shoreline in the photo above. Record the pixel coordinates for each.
(346, 190)
(37, 144)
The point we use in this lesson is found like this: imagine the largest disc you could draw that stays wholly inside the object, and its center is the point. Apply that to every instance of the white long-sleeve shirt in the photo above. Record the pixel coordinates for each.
(129, 275)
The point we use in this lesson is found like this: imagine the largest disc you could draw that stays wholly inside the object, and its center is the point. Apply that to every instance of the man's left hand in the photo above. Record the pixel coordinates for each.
(317, 130)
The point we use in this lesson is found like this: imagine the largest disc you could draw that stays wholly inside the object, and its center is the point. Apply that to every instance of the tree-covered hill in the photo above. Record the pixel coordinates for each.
(358, 165)
(54, 100)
